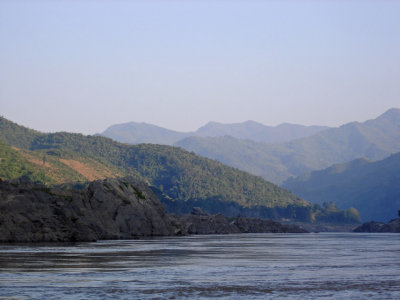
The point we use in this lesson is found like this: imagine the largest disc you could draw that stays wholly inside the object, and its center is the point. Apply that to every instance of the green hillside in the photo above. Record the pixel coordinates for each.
(373, 139)
(51, 167)
(182, 179)
(14, 165)
(177, 173)
(371, 187)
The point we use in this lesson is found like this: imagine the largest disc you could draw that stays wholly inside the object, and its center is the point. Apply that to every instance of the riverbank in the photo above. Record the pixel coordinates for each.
(326, 227)
(392, 226)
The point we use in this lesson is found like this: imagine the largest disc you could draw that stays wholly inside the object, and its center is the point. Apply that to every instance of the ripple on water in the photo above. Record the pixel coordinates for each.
(257, 266)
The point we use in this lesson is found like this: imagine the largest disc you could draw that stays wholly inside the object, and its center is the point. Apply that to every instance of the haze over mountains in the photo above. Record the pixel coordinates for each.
(136, 133)
(371, 187)
(373, 139)
(251, 130)
(277, 153)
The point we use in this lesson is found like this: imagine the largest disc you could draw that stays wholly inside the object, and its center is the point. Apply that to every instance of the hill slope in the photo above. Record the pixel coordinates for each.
(178, 173)
(373, 139)
(14, 164)
(51, 167)
(181, 179)
(371, 187)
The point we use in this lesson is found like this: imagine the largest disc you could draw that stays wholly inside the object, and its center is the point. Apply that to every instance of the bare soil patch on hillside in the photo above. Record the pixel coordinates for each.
(84, 169)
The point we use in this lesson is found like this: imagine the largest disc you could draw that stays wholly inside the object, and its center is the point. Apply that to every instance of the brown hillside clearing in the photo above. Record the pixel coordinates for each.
(84, 169)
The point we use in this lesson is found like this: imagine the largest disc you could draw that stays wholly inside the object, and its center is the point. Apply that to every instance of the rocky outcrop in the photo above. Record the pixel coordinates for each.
(199, 222)
(247, 225)
(105, 209)
(326, 227)
(205, 224)
(392, 226)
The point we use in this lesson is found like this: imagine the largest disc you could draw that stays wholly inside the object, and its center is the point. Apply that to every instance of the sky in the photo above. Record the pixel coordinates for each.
(81, 66)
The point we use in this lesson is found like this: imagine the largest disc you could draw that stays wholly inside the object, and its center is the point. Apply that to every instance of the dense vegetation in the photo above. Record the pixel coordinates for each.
(371, 187)
(50, 166)
(14, 165)
(325, 213)
(374, 139)
(178, 173)
(181, 176)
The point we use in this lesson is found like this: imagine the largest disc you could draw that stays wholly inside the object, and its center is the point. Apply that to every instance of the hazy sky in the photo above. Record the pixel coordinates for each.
(83, 65)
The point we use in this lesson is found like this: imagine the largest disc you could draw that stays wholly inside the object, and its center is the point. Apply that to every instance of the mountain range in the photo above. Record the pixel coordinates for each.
(275, 153)
(258, 132)
(181, 179)
(344, 155)
(276, 162)
(371, 187)
(136, 133)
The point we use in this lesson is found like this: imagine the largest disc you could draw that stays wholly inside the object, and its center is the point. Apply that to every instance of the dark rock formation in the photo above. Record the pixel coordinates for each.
(199, 222)
(392, 226)
(197, 211)
(326, 227)
(260, 225)
(106, 209)
(205, 224)
(109, 209)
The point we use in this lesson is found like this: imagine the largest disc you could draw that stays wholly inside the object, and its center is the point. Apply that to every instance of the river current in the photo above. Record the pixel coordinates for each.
(238, 266)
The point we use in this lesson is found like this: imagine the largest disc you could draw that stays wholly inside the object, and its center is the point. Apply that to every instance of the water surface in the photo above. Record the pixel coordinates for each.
(247, 266)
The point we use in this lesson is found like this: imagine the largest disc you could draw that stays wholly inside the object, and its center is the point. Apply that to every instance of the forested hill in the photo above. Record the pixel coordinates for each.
(371, 187)
(177, 173)
(181, 179)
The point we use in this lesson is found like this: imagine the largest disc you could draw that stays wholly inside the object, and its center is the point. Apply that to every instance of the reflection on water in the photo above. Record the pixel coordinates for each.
(256, 266)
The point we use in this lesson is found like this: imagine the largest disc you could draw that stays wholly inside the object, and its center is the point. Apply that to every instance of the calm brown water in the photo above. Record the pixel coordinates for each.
(244, 266)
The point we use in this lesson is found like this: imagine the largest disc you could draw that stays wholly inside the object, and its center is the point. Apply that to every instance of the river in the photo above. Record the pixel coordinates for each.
(237, 266)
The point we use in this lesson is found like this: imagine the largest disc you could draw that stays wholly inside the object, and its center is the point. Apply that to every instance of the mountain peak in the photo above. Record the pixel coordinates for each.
(136, 133)
(392, 114)
(211, 123)
(251, 122)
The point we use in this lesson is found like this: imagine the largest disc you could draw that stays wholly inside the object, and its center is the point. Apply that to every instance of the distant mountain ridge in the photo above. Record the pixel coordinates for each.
(373, 188)
(258, 132)
(373, 139)
(136, 133)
